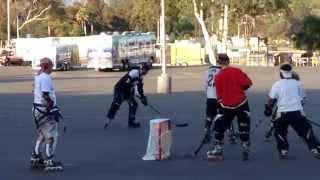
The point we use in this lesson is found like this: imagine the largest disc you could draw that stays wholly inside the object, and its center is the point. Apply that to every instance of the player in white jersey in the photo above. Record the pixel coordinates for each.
(46, 117)
(287, 93)
(212, 104)
(270, 130)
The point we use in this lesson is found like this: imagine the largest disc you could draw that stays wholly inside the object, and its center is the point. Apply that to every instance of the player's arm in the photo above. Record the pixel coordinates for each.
(244, 81)
(143, 98)
(140, 87)
(46, 86)
(206, 80)
(271, 101)
(302, 94)
(49, 101)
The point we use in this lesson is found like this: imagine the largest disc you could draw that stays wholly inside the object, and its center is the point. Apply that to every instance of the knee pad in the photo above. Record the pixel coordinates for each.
(133, 105)
(54, 143)
(113, 109)
(244, 127)
(218, 136)
(244, 121)
(51, 145)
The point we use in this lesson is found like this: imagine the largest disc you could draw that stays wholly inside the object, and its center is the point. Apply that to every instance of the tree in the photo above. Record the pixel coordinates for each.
(198, 12)
(82, 17)
(308, 37)
(184, 26)
(3, 32)
(31, 11)
(143, 15)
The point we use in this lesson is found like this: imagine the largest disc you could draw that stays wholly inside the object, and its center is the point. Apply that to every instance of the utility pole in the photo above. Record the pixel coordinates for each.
(164, 81)
(8, 22)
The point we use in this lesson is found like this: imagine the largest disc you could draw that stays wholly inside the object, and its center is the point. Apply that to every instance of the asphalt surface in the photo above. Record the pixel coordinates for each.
(89, 152)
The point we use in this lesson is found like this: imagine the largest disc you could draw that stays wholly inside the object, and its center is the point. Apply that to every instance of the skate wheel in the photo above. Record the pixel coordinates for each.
(53, 169)
(36, 166)
(284, 157)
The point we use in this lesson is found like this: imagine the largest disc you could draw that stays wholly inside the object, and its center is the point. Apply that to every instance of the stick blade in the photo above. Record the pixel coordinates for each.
(181, 124)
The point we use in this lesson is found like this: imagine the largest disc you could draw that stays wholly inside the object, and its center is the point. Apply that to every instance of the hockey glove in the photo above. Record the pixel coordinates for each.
(144, 100)
(267, 110)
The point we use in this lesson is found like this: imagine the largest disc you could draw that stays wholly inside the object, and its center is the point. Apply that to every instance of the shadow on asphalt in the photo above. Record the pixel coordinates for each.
(89, 152)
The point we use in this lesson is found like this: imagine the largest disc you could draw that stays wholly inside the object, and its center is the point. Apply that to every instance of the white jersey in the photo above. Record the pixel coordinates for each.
(209, 82)
(43, 83)
(289, 93)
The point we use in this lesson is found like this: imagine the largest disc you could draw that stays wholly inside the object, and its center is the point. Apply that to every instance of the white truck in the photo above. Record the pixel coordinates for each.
(121, 51)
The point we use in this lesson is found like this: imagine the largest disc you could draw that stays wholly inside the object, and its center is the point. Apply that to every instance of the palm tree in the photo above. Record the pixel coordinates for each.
(82, 17)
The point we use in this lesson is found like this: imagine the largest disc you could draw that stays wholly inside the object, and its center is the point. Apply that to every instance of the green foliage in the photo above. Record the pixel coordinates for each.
(184, 26)
(308, 37)
(273, 18)
(144, 14)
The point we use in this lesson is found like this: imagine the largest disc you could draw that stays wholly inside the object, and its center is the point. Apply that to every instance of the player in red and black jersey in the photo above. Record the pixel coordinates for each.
(231, 84)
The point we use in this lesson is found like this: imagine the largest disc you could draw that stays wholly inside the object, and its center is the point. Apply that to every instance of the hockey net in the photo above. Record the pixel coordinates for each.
(160, 140)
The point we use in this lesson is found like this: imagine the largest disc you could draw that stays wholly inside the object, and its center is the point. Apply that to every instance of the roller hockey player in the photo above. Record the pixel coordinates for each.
(212, 105)
(287, 94)
(46, 116)
(270, 130)
(125, 89)
(231, 84)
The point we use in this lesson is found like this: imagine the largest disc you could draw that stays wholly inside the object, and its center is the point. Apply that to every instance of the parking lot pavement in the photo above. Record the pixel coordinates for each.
(89, 152)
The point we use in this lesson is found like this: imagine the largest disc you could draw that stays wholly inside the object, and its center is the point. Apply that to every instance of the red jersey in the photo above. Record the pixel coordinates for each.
(231, 84)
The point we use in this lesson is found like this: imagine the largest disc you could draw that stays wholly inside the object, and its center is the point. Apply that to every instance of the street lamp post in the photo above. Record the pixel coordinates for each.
(164, 81)
(8, 22)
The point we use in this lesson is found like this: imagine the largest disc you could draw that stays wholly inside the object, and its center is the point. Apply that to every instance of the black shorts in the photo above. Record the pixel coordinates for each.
(211, 109)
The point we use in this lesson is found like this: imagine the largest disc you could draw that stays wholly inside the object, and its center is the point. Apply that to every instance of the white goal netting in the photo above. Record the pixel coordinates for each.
(160, 140)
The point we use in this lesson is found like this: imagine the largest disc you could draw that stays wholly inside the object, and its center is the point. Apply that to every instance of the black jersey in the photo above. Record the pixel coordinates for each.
(131, 80)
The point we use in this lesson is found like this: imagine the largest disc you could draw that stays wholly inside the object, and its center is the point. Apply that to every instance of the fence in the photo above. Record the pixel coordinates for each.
(272, 60)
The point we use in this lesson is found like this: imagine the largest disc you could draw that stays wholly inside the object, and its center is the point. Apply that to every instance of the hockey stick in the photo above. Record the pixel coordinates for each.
(205, 139)
(313, 123)
(154, 109)
(203, 142)
(175, 124)
(63, 122)
(257, 125)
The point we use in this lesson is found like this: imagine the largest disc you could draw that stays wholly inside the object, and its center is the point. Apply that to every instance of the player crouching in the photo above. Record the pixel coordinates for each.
(287, 93)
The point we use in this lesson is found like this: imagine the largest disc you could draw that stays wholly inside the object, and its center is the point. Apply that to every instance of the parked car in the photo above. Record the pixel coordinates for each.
(7, 58)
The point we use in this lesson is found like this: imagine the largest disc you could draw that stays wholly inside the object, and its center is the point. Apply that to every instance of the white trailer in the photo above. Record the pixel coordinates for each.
(64, 57)
(121, 51)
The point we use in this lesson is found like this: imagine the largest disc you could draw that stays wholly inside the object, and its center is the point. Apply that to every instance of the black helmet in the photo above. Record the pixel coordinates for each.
(286, 71)
(223, 59)
(286, 67)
